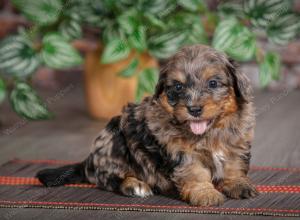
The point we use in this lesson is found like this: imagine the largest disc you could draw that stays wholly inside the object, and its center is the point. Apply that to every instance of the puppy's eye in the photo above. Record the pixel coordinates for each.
(212, 84)
(178, 87)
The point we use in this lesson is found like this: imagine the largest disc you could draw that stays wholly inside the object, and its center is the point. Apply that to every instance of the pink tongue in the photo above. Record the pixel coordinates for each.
(198, 127)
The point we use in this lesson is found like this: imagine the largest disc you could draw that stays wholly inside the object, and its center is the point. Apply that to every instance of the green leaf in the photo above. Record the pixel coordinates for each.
(148, 79)
(112, 32)
(139, 94)
(166, 44)
(283, 29)
(191, 25)
(27, 104)
(234, 39)
(71, 29)
(2, 90)
(157, 7)
(263, 12)
(264, 76)
(275, 62)
(231, 9)
(192, 5)
(169, 8)
(244, 48)
(41, 12)
(196, 35)
(137, 39)
(146, 82)
(17, 56)
(270, 68)
(130, 69)
(58, 53)
(129, 21)
(153, 20)
(115, 50)
(89, 11)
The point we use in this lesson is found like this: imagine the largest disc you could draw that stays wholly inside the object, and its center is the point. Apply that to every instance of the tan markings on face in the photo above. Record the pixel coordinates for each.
(211, 109)
(229, 106)
(210, 71)
(165, 104)
(178, 76)
(181, 112)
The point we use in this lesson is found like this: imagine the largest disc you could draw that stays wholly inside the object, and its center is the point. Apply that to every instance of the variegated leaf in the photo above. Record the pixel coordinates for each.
(58, 53)
(27, 103)
(17, 56)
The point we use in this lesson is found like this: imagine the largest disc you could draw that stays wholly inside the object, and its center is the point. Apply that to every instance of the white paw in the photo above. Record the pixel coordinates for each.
(135, 188)
(142, 191)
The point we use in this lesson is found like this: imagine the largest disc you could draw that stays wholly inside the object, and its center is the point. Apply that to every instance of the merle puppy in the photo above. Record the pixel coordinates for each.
(193, 135)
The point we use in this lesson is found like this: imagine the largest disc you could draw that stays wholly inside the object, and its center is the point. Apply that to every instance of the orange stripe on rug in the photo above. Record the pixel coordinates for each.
(58, 162)
(11, 180)
(279, 189)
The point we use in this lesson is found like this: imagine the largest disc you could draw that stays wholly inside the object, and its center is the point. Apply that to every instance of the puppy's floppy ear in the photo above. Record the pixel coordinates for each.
(241, 83)
(160, 86)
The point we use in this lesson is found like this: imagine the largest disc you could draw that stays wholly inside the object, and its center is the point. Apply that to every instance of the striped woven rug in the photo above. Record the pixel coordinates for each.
(279, 193)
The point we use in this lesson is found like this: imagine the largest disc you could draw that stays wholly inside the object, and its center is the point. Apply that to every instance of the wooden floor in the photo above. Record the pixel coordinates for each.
(69, 135)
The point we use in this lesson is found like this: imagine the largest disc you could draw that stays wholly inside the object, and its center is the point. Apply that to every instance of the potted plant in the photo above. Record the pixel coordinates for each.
(132, 36)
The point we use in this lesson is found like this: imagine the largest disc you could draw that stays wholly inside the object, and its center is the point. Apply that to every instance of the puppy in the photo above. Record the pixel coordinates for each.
(193, 136)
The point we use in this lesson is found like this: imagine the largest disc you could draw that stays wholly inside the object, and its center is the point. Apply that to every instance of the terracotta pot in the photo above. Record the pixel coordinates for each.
(106, 92)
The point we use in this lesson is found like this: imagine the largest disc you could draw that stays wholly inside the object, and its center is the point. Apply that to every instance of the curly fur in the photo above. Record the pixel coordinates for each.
(150, 147)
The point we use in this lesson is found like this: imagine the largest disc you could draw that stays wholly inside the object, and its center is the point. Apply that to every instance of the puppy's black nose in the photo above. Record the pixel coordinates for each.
(194, 110)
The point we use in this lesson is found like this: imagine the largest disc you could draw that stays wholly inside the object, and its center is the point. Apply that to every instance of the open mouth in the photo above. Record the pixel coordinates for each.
(199, 127)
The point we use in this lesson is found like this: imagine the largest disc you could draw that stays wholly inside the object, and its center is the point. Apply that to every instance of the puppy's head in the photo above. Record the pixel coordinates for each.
(199, 86)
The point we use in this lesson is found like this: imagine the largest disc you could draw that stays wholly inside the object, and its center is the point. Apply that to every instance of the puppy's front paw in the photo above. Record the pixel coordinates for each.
(210, 197)
(135, 188)
(239, 189)
(203, 195)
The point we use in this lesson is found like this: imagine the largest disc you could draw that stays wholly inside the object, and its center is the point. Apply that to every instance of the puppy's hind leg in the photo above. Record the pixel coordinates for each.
(133, 187)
